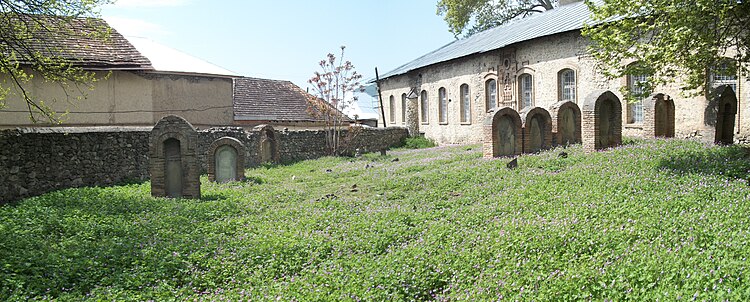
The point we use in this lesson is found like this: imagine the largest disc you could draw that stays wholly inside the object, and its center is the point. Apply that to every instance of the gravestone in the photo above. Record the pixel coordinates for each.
(658, 115)
(226, 160)
(502, 133)
(566, 123)
(536, 128)
(601, 124)
(174, 159)
(268, 146)
(726, 101)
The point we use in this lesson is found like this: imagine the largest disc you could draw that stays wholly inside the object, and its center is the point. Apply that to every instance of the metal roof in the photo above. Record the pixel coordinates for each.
(561, 19)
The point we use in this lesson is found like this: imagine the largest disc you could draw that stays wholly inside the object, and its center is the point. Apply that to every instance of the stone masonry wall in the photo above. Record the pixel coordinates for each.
(39, 160)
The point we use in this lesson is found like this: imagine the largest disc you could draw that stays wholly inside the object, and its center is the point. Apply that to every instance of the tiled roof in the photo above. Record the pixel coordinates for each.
(562, 19)
(271, 100)
(77, 41)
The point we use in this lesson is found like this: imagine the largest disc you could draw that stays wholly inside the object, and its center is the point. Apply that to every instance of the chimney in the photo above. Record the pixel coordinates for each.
(566, 2)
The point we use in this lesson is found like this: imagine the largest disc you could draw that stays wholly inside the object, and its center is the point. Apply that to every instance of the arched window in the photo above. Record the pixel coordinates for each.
(567, 85)
(392, 109)
(636, 87)
(425, 107)
(490, 94)
(525, 90)
(724, 74)
(403, 108)
(465, 104)
(442, 106)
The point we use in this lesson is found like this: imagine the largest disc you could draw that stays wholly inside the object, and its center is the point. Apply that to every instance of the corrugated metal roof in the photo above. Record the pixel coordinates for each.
(562, 19)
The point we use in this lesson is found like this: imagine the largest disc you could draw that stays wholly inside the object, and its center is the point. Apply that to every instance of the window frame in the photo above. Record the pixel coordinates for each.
(424, 104)
(465, 104)
(635, 110)
(488, 98)
(563, 85)
(522, 91)
(442, 106)
(392, 109)
(403, 108)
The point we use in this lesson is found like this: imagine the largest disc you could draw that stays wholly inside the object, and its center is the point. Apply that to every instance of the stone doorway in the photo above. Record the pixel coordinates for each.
(537, 129)
(727, 112)
(173, 159)
(566, 123)
(602, 121)
(502, 133)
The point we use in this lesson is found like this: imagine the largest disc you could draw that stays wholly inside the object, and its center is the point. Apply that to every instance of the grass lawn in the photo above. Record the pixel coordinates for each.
(656, 219)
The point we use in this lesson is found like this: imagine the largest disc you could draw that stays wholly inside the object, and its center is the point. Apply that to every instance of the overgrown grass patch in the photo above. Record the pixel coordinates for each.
(655, 219)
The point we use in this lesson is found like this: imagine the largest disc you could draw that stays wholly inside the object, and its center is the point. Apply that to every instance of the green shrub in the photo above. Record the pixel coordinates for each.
(418, 142)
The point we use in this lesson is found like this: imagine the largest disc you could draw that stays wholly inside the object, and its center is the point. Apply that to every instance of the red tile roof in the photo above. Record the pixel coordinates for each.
(271, 100)
(79, 41)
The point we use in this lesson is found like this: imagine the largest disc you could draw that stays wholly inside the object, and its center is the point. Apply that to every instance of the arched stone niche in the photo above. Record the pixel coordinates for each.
(537, 129)
(658, 115)
(726, 100)
(174, 159)
(268, 144)
(226, 160)
(601, 125)
(502, 133)
(566, 123)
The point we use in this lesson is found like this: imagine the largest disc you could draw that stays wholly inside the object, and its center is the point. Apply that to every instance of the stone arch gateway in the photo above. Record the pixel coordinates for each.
(566, 123)
(601, 125)
(174, 159)
(659, 115)
(726, 114)
(502, 133)
(537, 129)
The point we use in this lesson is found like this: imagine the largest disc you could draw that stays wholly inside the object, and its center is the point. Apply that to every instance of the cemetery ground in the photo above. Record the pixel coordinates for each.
(653, 219)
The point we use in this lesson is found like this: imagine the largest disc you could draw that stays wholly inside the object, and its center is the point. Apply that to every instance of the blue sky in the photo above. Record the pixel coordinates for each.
(285, 39)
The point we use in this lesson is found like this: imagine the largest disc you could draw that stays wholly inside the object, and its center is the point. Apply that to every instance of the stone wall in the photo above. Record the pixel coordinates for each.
(39, 160)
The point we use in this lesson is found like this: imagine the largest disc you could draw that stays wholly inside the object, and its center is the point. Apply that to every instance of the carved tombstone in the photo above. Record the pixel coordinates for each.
(537, 129)
(502, 133)
(658, 115)
(268, 144)
(566, 123)
(174, 160)
(726, 100)
(226, 160)
(601, 121)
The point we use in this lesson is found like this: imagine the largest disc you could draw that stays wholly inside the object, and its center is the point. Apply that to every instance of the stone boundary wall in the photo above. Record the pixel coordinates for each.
(34, 161)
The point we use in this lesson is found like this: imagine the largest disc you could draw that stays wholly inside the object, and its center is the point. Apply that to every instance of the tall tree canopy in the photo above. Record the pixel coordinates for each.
(671, 39)
(468, 17)
(27, 30)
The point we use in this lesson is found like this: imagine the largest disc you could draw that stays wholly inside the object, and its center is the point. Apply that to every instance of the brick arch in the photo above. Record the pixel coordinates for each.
(601, 125)
(239, 149)
(726, 114)
(502, 133)
(177, 128)
(659, 115)
(536, 128)
(566, 123)
(268, 145)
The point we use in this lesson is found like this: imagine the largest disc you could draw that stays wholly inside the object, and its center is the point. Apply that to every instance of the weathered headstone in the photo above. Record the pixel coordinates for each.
(537, 129)
(268, 146)
(174, 160)
(226, 160)
(566, 123)
(601, 121)
(658, 115)
(502, 133)
(726, 101)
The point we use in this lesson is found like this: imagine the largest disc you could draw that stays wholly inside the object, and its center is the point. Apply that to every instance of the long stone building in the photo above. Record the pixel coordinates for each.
(533, 62)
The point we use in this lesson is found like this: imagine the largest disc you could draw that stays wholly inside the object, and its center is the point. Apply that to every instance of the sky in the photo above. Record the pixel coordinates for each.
(285, 39)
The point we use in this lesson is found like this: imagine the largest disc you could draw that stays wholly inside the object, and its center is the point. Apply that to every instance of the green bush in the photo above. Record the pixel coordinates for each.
(418, 142)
